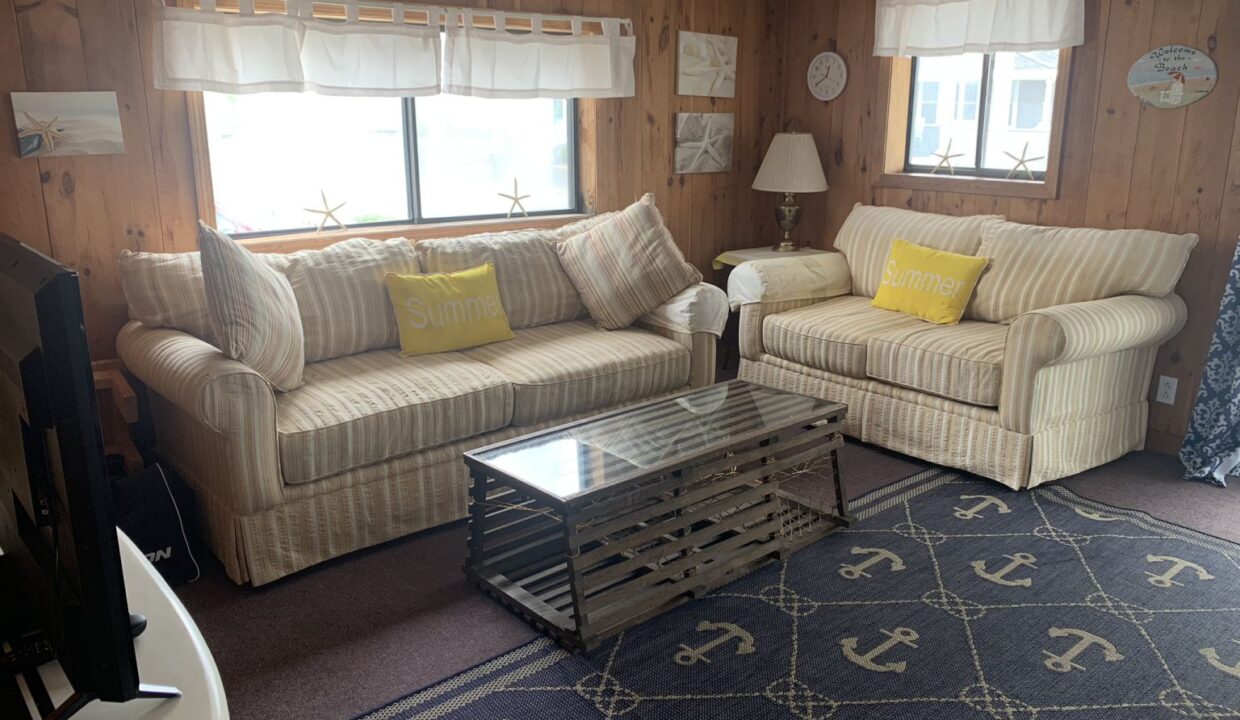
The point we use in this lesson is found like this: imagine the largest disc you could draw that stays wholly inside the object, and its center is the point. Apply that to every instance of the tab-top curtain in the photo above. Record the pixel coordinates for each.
(293, 51)
(954, 27)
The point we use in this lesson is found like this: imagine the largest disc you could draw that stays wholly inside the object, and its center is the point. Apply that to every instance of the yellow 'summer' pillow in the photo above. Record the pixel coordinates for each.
(438, 312)
(933, 285)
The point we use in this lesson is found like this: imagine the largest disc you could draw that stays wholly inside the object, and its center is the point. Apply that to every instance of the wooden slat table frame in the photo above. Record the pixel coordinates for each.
(585, 567)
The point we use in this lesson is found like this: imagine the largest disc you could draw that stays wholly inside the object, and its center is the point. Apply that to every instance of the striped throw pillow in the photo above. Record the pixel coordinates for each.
(627, 266)
(341, 298)
(253, 310)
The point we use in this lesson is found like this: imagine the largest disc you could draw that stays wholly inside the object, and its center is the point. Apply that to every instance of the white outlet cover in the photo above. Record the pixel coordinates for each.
(1166, 389)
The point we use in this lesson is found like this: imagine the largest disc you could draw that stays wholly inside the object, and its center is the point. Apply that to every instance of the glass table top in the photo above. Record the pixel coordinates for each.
(637, 442)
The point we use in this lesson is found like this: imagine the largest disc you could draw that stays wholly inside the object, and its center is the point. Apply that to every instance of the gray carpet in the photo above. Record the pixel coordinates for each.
(352, 634)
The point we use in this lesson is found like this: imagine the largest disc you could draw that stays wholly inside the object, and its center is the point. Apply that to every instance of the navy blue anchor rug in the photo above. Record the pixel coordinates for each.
(952, 598)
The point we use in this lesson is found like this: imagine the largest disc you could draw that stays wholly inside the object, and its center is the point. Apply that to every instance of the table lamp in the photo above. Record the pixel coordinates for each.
(791, 166)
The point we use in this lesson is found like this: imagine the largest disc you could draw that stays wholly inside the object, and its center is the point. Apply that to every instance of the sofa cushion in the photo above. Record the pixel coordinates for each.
(361, 409)
(343, 304)
(831, 335)
(1033, 267)
(253, 310)
(534, 288)
(165, 290)
(959, 362)
(866, 235)
(573, 367)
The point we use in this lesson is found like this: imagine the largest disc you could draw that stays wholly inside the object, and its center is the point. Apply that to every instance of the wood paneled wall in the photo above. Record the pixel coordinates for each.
(85, 210)
(1124, 165)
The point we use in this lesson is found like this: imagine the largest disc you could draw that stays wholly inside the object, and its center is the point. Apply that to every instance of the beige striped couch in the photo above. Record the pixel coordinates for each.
(1047, 375)
(369, 447)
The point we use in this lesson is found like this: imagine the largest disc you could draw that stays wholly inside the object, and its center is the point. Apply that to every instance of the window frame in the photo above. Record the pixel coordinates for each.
(287, 239)
(896, 75)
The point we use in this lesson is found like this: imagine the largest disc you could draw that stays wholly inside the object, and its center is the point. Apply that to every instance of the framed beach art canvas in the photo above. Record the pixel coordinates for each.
(67, 123)
(706, 65)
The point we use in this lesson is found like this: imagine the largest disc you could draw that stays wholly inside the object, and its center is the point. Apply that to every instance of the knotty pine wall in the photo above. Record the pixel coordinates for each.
(1124, 165)
(85, 210)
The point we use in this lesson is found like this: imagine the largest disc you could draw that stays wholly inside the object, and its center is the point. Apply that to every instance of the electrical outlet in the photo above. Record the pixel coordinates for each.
(1166, 389)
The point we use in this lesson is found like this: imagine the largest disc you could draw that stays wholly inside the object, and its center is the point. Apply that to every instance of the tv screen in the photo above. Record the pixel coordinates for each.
(56, 528)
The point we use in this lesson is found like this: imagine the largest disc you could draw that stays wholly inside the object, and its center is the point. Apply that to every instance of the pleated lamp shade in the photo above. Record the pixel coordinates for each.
(791, 165)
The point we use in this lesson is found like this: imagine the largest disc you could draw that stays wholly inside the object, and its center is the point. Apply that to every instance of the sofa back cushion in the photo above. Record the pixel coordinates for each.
(1033, 267)
(341, 297)
(165, 290)
(868, 231)
(532, 285)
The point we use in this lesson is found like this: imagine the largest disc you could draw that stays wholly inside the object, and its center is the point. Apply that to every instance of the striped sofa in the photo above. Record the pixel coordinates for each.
(1047, 374)
(369, 447)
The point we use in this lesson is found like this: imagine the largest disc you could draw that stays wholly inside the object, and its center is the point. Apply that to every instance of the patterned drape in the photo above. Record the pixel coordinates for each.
(1211, 451)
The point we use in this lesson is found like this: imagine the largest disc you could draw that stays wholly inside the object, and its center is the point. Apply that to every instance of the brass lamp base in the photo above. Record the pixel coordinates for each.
(788, 215)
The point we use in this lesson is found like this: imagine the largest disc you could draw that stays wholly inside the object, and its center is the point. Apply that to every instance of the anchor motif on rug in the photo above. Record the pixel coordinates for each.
(1167, 579)
(976, 511)
(899, 636)
(690, 655)
(1211, 655)
(1094, 515)
(1067, 661)
(877, 555)
(1018, 560)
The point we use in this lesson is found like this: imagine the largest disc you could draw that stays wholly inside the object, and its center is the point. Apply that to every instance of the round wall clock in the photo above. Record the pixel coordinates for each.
(826, 76)
(1172, 76)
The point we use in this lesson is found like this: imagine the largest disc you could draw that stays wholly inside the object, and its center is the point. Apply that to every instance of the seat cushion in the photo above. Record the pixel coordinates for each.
(959, 362)
(361, 409)
(831, 335)
(573, 367)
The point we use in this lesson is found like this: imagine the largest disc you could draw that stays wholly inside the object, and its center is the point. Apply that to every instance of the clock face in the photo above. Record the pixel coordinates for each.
(826, 76)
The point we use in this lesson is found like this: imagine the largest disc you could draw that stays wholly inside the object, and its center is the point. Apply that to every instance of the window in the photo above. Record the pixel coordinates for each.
(275, 156)
(1002, 112)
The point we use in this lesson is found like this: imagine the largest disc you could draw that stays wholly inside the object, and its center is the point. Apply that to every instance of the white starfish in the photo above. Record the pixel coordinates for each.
(328, 212)
(706, 147)
(715, 64)
(945, 159)
(45, 130)
(1021, 162)
(516, 198)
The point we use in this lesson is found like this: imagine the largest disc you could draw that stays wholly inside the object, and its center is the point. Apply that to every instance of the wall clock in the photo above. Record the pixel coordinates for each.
(1172, 76)
(826, 76)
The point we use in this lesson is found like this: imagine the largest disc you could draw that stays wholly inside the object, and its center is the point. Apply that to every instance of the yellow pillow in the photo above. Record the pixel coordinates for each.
(438, 312)
(931, 284)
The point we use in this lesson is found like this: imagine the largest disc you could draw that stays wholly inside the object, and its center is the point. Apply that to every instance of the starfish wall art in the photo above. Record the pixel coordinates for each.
(67, 123)
(706, 65)
(703, 142)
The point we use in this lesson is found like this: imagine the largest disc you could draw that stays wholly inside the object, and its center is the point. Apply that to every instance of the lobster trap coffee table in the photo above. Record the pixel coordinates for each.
(592, 527)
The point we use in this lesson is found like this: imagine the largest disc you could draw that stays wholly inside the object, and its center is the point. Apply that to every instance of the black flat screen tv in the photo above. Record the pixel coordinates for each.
(60, 550)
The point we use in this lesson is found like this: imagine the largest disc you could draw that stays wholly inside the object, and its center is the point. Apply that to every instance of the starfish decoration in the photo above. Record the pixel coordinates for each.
(46, 131)
(945, 159)
(715, 64)
(707, 148)
(328, 212)
(1021, 162)
(516, 198)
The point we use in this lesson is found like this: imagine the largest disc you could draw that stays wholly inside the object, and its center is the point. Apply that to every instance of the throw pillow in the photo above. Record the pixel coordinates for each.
(626, 266)
(253, 310)
(439, 312)
(930, 284)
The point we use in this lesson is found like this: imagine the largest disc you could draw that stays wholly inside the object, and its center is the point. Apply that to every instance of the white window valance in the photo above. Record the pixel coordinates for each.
(954, 27)
(492, 62)
(390, 50)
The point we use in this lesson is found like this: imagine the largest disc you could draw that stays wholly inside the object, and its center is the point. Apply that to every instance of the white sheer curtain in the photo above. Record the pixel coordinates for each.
(954, 27)
(495, 63)
(247, 52)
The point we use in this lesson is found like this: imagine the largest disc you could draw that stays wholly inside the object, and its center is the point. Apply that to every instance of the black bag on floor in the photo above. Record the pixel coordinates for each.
(155, 508)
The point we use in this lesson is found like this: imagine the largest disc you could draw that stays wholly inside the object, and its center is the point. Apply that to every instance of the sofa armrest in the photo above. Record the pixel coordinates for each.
(698, 308)
(1078, 331)
(796, 277)
(229, 443)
